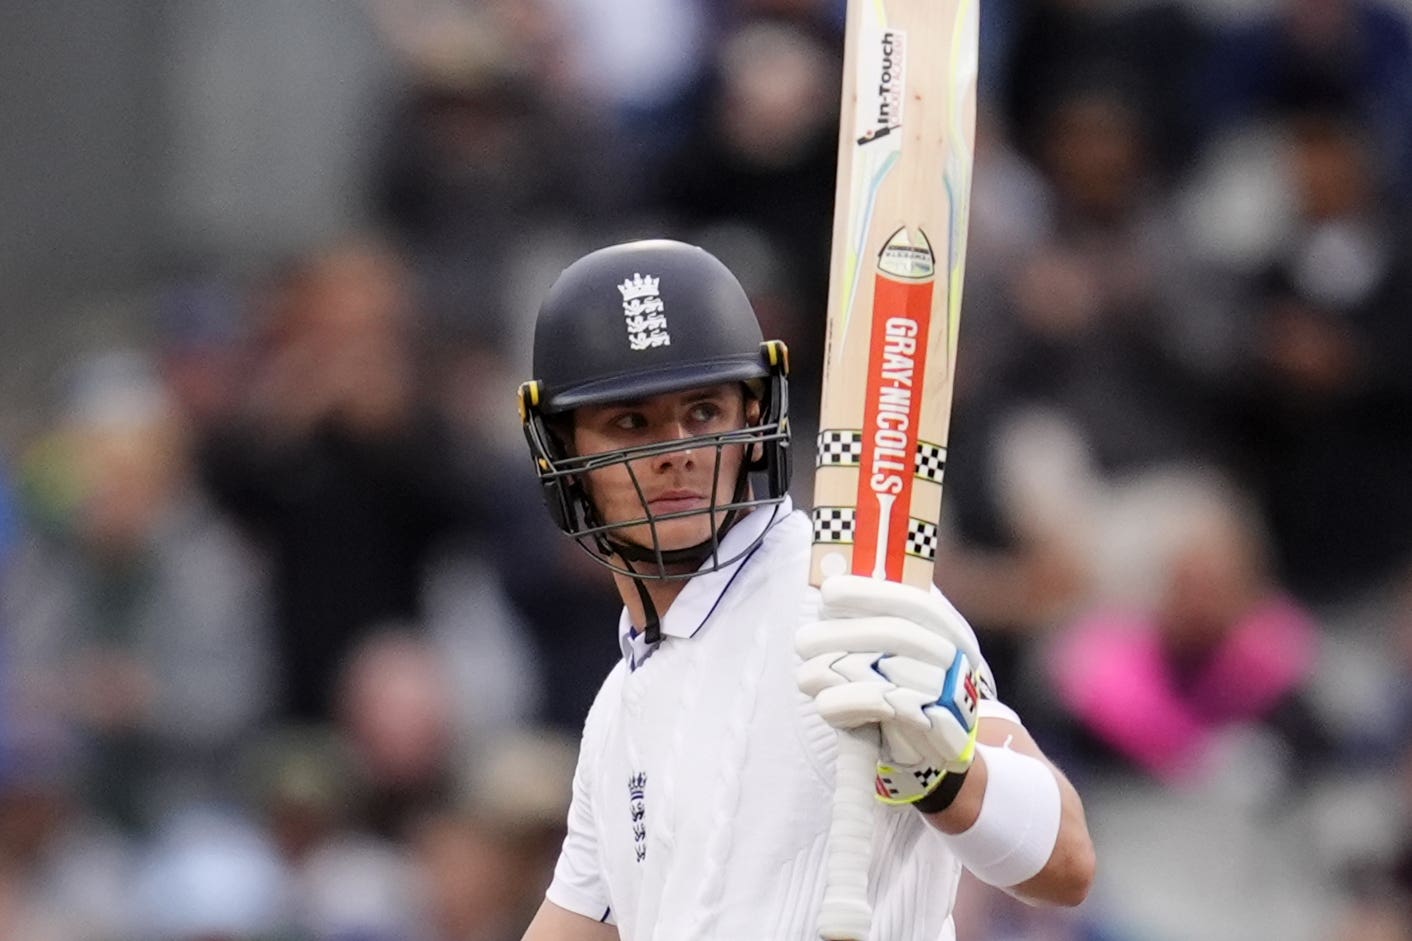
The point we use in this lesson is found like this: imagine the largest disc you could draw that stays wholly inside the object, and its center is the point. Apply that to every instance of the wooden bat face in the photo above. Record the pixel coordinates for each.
(900, 216)
(899, 239)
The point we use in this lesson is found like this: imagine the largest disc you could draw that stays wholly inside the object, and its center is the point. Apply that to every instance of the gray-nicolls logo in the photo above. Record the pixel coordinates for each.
(637, 810)
(892, 82)
(644, 313)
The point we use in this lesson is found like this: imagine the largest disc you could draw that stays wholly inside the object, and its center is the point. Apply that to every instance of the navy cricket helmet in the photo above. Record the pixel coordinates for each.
(633, 321)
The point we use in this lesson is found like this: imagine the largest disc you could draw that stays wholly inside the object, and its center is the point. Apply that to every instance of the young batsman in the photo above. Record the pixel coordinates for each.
(658, 421)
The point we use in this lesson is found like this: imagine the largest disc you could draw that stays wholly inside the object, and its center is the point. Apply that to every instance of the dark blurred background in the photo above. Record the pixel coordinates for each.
(288, 649)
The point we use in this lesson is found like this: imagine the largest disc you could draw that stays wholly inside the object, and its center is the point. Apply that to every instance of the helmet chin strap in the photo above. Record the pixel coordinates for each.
(652, 626)
(691, 555)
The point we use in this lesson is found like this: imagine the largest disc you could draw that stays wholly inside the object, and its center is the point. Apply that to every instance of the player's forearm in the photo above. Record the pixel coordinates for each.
(1012, 826)
(1068, 876)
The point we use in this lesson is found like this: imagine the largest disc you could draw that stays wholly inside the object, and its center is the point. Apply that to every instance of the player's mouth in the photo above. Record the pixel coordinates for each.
(677, 501)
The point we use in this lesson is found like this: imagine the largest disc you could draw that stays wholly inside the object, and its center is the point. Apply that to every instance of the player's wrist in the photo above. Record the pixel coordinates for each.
(940, 798)
(1018, 813)
(927, 787)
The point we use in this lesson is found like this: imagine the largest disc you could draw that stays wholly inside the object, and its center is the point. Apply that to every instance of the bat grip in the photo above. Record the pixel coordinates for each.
(846, 914)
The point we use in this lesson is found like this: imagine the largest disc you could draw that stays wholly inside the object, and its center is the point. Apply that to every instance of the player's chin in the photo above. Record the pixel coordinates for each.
(683, 532)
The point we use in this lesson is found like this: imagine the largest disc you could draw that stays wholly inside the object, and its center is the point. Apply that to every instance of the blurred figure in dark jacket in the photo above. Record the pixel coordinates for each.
(1353, 53)
(1327, 389)
(1152, 51)
(335, 463)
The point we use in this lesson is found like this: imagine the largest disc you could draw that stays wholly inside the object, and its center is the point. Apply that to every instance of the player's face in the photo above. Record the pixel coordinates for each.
(674, 482)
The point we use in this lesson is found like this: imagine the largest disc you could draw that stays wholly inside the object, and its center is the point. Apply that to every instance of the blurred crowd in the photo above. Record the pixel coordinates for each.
(289, 650)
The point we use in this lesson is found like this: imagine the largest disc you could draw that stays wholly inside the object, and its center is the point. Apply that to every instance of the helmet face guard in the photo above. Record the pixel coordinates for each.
(563, 477)
(630, 322)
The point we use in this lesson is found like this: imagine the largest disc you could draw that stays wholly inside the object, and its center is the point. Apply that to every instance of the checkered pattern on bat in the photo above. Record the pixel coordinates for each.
(844, 448)
(840, 448)
(835, 524)
(921, 539)
(931, 461)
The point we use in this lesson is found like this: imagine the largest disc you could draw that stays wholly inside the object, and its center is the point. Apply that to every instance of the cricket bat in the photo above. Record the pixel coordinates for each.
(899, 245)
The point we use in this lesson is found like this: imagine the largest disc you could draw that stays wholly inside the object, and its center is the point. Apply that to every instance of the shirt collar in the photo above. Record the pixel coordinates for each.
(703, 592)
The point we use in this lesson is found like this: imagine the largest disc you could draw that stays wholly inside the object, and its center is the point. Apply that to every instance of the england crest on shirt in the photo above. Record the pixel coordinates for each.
(637, 811)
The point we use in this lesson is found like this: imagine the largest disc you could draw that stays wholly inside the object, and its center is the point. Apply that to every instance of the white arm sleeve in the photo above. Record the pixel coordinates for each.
(995, 709)
(1021, 813)
(578, 884)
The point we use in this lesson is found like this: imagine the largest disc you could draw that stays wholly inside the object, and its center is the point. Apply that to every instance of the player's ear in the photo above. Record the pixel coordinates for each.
(752, 392)
(561, 432)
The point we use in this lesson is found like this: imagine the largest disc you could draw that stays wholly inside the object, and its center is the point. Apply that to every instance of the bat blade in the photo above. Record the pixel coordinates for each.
(902, 202)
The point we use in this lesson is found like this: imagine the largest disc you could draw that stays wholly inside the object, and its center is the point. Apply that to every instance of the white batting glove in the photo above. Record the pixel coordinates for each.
(905, 659)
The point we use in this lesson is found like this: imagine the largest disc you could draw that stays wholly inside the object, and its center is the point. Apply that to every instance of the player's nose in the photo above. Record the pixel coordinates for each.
(676, 430)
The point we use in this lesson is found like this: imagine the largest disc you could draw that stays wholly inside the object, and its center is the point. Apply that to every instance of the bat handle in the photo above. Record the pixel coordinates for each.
(846, 914)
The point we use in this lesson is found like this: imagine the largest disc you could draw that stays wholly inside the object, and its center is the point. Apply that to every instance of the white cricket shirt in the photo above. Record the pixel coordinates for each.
(705, 778)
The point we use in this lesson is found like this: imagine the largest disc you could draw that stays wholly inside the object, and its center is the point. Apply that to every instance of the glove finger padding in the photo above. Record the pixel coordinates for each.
(902, 746)
(906, 660)
(935, 711)
(914, 679)
(854, 704)
(928, 738)
(894, 635)
(834, 668)
(848, 597)
(927, 712)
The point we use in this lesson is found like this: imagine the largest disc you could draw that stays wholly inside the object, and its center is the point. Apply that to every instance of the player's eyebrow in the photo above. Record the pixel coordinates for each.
(705, 395)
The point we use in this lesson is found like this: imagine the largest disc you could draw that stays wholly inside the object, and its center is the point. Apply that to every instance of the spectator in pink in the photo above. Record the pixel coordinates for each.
(1220, 646)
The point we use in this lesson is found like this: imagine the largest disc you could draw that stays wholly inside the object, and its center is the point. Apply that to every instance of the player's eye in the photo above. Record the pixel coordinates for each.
(628, 421)
(704, 412)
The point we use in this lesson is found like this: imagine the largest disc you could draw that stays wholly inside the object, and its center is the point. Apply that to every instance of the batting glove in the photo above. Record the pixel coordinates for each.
(903, 658)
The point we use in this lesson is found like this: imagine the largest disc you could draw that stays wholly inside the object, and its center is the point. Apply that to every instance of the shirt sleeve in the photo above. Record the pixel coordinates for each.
(578, 885)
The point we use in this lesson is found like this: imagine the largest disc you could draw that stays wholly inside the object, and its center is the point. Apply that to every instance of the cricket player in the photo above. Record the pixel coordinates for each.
(658, 421)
